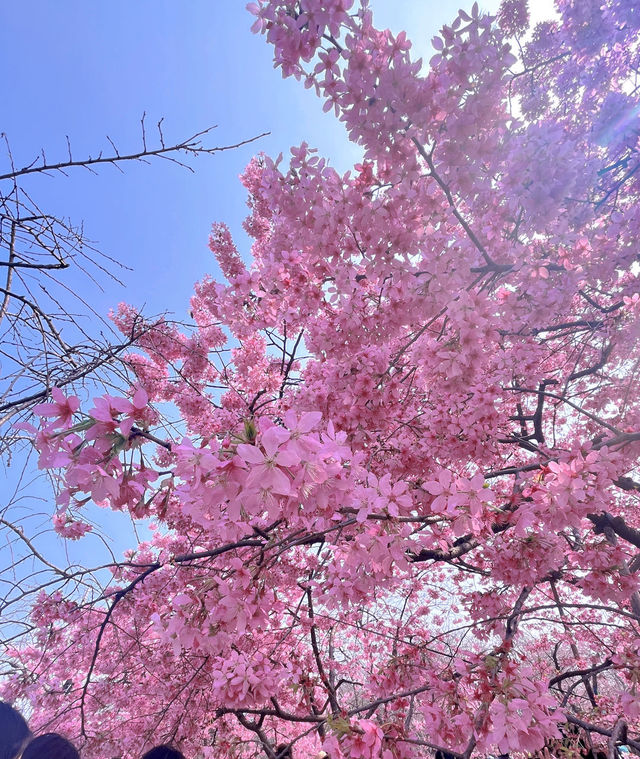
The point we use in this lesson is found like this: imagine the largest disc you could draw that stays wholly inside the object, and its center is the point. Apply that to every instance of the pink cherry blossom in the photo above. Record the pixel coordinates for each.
(391, 504)
(62, 409)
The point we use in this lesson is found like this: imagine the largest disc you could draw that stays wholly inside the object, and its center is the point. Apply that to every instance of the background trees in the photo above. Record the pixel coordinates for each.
(37, 246)
(404, 513)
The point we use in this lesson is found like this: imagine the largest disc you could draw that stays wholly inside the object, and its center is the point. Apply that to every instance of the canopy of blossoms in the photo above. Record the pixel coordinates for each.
(399, 511)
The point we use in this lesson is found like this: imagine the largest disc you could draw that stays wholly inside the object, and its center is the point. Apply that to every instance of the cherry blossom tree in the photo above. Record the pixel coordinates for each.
(398, 510)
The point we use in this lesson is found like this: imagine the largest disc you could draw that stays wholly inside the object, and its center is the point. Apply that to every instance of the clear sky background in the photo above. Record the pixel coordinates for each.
(90, 68)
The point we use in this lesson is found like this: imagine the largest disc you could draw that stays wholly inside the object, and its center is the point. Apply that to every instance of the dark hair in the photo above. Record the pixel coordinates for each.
(163, 752)
(50, 746)
(13, 731)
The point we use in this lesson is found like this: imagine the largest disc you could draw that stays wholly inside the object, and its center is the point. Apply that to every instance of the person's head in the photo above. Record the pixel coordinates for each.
(50, 746)
(163, 752)
(13, 731)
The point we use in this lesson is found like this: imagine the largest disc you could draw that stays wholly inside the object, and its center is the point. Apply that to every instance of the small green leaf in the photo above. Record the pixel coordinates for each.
(250, 430)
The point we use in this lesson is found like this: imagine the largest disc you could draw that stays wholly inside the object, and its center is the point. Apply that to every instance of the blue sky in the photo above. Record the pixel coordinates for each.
(88, 69)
